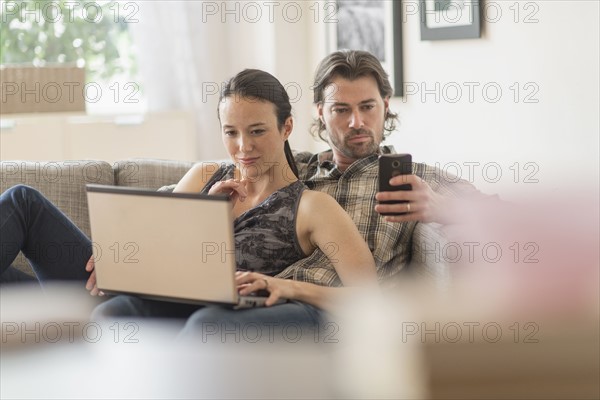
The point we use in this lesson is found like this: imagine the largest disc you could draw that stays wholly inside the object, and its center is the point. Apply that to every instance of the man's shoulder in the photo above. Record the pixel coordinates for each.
(308, 163)
(310, 157)
(307, 157)
(443, 181)
(302, 156)
(428, 173)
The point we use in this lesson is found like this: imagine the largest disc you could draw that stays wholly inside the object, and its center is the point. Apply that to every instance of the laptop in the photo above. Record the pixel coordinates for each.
(165, 246)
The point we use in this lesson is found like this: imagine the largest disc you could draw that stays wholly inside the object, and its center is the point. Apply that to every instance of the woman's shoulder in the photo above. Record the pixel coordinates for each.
(214, 172)
(212, 167)
(204, 174)
(205, 170)
(313, 200)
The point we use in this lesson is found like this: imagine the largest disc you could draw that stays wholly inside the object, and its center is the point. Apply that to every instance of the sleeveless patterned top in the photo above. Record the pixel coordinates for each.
(265, 236)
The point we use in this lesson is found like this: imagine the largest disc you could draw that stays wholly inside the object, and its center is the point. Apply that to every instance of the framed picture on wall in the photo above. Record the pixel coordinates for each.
(450, 19)
(374, 26)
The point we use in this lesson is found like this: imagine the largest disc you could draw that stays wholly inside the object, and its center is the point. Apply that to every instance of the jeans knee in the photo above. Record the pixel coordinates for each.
(206, 315)
(120, 306)
(208, 322)
(23, 193)
(102, 311)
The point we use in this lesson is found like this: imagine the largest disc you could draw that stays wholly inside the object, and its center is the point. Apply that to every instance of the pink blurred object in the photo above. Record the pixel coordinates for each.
(540, 256)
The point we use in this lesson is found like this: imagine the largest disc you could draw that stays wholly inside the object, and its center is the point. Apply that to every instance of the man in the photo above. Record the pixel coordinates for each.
(352, 93)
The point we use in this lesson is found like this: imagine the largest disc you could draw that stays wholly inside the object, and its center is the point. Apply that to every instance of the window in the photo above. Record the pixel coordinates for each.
(95, 35)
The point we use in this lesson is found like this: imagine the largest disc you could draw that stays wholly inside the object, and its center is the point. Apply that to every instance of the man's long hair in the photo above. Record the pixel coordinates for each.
(351, 65)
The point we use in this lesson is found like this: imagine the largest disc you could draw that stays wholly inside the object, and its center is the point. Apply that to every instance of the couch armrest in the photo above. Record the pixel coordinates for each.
(427, 261)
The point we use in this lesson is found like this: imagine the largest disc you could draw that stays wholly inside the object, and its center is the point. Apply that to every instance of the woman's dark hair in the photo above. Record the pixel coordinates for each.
(351, 65)
(262, 86)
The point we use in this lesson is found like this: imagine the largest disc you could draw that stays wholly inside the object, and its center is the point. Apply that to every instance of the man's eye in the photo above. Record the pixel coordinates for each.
(339, 110)
(368, 107)
(258, 131)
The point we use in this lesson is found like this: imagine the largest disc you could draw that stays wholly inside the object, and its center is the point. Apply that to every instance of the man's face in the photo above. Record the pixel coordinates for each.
(354, 114)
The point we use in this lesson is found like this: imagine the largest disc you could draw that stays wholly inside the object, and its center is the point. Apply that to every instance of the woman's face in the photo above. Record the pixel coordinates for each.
(250, 135)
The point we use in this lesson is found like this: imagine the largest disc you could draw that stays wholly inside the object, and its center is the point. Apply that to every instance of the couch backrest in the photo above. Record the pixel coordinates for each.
(62, 182)
(149, 174)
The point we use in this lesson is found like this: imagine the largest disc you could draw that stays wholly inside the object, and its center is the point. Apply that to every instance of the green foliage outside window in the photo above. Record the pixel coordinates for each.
(90, 34)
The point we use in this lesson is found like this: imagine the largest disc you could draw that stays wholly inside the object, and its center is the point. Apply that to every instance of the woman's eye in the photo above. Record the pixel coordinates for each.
(229, 133)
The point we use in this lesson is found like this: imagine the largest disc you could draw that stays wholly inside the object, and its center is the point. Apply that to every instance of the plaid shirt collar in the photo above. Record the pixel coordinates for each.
(327, 167)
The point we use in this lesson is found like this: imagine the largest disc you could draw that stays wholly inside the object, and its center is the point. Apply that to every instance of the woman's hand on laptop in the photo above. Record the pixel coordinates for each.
(327, 298)
(250, 282)
(234, 188)
(91, 282)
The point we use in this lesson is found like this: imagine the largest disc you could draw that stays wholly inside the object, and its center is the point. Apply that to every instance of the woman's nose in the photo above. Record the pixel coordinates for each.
(246, 144)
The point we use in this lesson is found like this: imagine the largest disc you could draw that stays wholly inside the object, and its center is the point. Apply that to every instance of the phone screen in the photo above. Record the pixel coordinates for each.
(391, 165)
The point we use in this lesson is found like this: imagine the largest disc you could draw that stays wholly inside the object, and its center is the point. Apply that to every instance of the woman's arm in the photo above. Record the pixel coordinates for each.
(323, 223)
(200, 174)
(196, 178)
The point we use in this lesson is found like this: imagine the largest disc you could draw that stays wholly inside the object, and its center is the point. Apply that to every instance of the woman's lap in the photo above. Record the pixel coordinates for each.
(289, 321)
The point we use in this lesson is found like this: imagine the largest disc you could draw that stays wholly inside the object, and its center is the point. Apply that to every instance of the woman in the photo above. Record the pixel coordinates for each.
(270, 204)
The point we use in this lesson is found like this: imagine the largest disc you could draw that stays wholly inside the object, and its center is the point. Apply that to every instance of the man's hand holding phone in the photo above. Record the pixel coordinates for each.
(393, 170)
(403, 196)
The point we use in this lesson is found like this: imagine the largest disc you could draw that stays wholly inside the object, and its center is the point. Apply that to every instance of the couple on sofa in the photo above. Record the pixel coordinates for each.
(266, 183)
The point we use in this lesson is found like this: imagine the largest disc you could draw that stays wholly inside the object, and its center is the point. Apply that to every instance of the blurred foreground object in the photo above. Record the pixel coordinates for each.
(522, 317)
(31, 315)
(48, 339)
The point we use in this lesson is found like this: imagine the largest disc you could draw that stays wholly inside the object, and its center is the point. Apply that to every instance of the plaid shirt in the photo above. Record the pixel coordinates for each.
(354, 189)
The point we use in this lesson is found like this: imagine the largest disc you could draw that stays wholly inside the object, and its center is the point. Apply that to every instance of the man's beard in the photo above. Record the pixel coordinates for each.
(356, 150)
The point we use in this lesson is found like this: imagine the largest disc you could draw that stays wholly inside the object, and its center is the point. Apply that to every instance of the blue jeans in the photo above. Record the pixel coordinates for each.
(288, 321)
(53, 245)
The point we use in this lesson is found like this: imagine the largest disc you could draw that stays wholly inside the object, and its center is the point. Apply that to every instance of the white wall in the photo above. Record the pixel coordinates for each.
(558, 56)
(289, 45)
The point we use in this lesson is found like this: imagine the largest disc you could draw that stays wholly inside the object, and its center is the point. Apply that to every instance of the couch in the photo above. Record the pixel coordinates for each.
(63, 182)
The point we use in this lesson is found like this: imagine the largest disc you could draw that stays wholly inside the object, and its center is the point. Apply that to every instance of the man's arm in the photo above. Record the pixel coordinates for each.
(433, 198)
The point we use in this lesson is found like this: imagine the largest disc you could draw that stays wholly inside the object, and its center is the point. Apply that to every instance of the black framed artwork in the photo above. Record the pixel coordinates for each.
(450, 19)
(374, 26)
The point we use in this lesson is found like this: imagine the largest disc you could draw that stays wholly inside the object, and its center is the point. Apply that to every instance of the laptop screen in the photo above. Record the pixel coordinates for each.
(175, 246)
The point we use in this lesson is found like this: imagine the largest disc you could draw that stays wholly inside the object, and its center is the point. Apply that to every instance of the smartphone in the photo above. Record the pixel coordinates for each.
(391, 165)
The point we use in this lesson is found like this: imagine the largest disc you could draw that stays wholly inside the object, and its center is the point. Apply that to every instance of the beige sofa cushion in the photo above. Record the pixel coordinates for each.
(149, 174)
